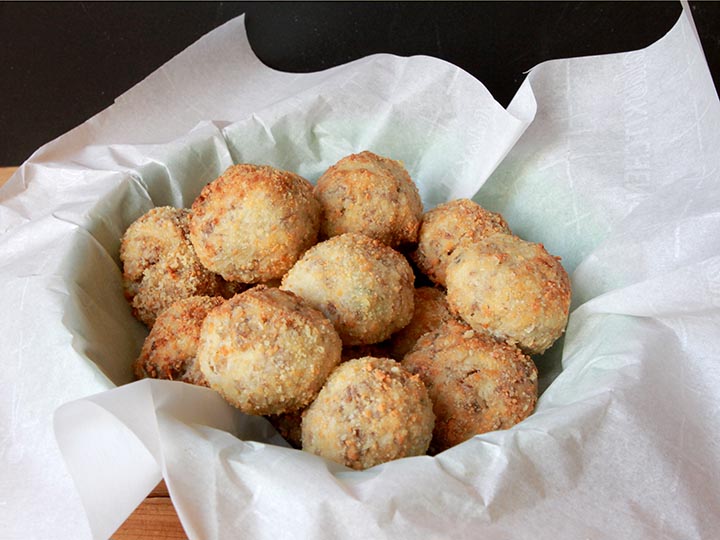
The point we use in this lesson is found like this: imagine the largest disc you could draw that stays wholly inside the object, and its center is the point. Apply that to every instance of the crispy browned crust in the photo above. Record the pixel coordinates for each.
(266, 351)
(371, 410)
(512, 289)
(252, 223)
(363, 286)
(160, 265)
(445, 226)
(369, 194)
(169, 351)
(476, 384)
(431, 310)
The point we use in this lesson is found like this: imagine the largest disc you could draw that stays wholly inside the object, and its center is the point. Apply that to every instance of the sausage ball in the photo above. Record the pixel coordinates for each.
(363, 286)
(431, 310)
(369, 194)
(252, 223)
(160, 265)
(371, 410)
(444, 227)
(266, 351)
(170, 350)
(476, 384)
(510, 288)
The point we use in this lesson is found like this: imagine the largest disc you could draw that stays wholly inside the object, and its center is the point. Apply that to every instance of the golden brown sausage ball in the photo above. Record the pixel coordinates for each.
(252, 223)
(266, 351)
(476, 383)
(445, 226)
(170, 350)
(369, 194)
(363, 286)
(160, 265)
(512, 289)
(371, 410)
(431, 310)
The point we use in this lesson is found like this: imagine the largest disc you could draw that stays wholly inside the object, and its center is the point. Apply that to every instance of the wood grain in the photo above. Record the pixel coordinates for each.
(155, 518)
(5, 173)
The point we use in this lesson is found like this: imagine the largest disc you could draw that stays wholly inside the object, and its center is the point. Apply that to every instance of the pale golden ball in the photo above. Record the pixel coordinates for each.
(371, 410)
(512, 289)
(363, 286)
(476, 384)
(266, 351)
(370, 194)
(253, 222)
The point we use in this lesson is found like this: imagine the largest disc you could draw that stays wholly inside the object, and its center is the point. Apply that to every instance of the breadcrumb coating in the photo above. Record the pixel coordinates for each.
(447, 225)
(266, 351)
(170, 349)
(431, 310)
(371, 410)
(160, 265)
(363, 286)
(476, 384)
(369, 194)
(512, 289)
(253, 222)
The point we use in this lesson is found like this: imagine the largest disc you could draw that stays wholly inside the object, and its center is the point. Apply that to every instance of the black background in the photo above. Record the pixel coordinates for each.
(61, 63)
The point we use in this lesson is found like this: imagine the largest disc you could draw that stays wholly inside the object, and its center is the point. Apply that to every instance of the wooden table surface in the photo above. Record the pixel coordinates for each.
(5, 173)
(155, 518)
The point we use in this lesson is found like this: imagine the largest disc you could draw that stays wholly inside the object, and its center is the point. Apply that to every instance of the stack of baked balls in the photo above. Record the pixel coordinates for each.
(300, 303)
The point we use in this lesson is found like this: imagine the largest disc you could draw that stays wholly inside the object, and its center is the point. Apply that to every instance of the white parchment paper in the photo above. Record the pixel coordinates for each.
(613, 162)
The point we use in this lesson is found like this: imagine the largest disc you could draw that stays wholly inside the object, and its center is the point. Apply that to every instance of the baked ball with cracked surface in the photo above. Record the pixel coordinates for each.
(430, 311)
(253, 222)
(369, 194)
(476, 384)
(170, 349)
(266, 351)
(371, 410)
(160, 265)
(363, 286)
(447, 225)
(512, 289)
